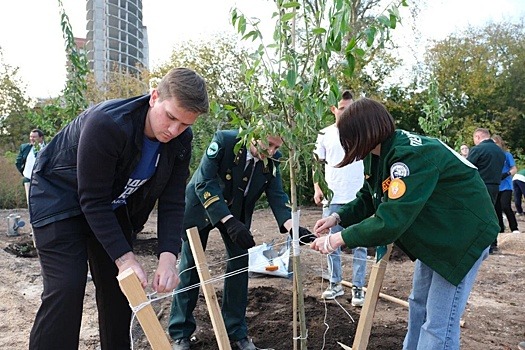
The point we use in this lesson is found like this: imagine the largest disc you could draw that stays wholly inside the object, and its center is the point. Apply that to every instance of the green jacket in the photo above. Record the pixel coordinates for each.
(427, 199)
(213, 187)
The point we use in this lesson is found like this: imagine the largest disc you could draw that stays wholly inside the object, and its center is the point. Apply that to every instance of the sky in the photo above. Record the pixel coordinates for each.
(31, 36)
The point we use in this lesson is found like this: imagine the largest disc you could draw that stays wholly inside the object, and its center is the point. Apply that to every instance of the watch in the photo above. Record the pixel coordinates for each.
(337, 217)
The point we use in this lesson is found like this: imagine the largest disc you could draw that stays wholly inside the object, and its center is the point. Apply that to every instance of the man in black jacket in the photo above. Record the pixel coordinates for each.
(222, 193)
(93, 188)
(489, 158)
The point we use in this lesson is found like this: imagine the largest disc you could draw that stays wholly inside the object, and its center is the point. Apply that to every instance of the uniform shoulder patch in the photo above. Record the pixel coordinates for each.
(212, 150)
(396, 189)
(399, 170)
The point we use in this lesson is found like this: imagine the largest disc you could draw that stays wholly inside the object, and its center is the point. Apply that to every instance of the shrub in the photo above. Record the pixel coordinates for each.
(12, 193)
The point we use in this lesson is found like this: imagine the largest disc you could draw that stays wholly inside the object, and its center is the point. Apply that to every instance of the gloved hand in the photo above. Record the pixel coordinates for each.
(305, 236)
(239, 233)
(505, 175)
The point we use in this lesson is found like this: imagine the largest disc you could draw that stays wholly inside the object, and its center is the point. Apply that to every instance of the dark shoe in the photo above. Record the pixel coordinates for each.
(244, 344)
(181, 344)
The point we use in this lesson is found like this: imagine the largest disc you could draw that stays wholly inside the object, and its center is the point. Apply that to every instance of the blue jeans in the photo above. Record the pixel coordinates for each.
(436, 307)
(334, 259)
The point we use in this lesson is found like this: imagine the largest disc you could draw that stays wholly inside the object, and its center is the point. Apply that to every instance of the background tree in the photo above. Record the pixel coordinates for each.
(218, 60)
(14, 106)
(480, 75)
(121, 84)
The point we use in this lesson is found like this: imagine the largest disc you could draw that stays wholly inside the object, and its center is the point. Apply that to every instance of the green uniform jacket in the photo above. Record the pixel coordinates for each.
(25, 148)
(213, 187)
(427, 199)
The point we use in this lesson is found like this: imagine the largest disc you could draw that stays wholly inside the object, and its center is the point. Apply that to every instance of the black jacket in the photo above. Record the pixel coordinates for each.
(86, 166)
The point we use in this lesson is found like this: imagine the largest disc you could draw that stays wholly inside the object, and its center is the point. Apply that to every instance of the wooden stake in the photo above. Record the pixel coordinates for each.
(364, 326)
(208, 290)
(132, 289)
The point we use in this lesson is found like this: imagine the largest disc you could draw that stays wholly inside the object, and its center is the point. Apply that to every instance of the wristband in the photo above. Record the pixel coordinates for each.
(328, 244)
(337, 217)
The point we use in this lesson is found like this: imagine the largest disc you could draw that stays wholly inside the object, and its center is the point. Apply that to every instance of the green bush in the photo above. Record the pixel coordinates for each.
(12, 193)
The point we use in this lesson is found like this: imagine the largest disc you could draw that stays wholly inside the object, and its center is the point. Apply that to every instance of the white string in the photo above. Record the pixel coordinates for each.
(137, 308)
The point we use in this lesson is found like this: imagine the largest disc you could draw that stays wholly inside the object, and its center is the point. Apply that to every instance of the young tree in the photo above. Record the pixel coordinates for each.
(298, 66)
(60, 111)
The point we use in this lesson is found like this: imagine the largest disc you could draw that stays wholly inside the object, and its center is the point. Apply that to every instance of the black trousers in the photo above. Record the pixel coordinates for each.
(503, 206)
(64, 249)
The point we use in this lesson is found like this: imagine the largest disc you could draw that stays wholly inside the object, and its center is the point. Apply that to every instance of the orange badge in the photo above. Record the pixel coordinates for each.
(396, 189)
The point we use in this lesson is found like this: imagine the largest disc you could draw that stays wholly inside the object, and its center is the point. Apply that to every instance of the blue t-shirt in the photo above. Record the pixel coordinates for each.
(506, 183)
(142, 173)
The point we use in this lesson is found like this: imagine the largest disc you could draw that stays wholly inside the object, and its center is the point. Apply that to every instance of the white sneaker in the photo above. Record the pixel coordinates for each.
(358, 296)
(516, 231)
(333, 291)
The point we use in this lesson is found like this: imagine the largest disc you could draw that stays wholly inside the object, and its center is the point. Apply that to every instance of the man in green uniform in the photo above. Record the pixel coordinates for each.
(222, 193)
(429, 201)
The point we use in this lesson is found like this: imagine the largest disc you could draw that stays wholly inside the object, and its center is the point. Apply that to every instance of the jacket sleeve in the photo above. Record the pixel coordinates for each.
(207, 182)
(395, 214)
(172, 202)
(278, 199)
(99, 146)
(20, 159)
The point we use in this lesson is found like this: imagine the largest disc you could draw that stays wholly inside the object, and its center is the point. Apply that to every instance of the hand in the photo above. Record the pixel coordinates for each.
(318, 197)
(166, 276)
(239, 233)
(328, 244)
(305, 236)
(323, 225)
(127, 261)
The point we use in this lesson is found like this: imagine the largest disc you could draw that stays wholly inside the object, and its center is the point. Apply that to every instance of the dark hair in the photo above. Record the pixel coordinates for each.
(362, 126)
(39, 132)
(347, 95)
(187, 87)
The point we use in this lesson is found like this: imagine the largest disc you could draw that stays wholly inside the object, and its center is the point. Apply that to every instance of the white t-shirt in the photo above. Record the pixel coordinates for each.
(344, 182)
(30, 163)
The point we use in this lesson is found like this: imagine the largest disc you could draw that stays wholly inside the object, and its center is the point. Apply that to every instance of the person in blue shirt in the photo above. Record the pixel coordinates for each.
(504, 199)
(92, 190)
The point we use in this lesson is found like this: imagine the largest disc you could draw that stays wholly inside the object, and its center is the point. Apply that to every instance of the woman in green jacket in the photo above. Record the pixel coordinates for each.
(428, 200)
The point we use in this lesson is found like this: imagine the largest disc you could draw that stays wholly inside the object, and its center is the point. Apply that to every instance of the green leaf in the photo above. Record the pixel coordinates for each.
(370, 35)
(384, 20)
(291, 78)
(287, 16)
(241, 25)
(291, 4)
(318, 31)
(393, 21)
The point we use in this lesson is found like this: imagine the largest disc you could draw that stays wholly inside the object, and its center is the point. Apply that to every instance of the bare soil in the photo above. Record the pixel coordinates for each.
(494, 319)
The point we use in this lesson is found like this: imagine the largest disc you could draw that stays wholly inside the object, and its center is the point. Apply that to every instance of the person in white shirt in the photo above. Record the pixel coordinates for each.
(344, 183)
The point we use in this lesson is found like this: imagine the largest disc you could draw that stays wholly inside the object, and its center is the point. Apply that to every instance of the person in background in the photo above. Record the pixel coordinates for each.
(429, 201)
(93, 189)
(518, 184)
(503, 202)
(463, 150)
(27, 156)
(222, 194)
(489, 158)
(344, 183)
